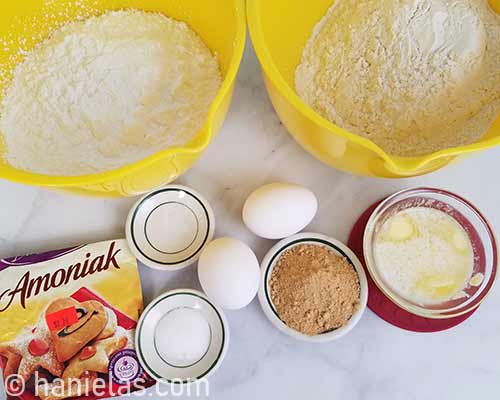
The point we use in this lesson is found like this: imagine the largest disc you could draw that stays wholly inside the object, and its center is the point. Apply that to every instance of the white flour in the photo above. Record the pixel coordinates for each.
(413, 76)
(107, 91)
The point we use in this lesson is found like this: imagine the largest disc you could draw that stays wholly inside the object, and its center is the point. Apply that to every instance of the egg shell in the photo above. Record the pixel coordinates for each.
(279, 210)
(229, 273)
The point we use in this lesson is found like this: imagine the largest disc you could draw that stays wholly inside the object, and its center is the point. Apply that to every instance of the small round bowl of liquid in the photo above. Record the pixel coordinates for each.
(431, 252)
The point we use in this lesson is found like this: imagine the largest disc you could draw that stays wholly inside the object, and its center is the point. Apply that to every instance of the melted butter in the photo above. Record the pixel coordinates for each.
(477, 280)
(425, 255)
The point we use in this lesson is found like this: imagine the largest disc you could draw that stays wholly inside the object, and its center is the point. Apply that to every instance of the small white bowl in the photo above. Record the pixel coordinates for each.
(147, 337)
(167, 229)
(268, 264)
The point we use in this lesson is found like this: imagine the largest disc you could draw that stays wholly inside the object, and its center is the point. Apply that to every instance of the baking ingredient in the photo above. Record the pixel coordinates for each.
(229, 273)
(413, 76)
(314, 289)
(69, 313)
(107, 91)
(477, 280)
(182, 337)
(424, 255)
(279, 210)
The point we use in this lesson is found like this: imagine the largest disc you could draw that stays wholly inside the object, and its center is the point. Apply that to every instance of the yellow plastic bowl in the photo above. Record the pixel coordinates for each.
(279, 31)
(221, 24)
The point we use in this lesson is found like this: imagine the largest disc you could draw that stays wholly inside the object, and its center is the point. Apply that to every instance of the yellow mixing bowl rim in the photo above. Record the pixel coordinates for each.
(62, 181)
(399, 165)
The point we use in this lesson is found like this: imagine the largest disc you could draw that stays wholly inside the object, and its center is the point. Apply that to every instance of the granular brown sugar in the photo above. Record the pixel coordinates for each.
(313, 289)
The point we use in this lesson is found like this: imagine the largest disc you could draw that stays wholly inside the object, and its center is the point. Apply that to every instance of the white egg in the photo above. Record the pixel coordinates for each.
(229, 273)
(279, 210)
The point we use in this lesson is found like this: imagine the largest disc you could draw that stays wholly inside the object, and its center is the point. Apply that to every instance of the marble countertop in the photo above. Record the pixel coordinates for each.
(375, 361)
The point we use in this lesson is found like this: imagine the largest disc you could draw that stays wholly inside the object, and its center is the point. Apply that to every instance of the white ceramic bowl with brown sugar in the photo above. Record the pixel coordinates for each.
(265, 296)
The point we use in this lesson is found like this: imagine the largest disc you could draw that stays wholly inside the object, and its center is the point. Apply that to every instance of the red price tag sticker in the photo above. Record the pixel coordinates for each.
(62, 319)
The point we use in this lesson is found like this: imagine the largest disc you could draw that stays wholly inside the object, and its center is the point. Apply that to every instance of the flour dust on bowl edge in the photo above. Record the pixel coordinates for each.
(269, 22)
(222, 26)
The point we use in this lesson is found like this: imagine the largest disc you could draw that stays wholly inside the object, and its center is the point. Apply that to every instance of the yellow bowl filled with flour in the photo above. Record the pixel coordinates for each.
(113, 97)
(403, 117)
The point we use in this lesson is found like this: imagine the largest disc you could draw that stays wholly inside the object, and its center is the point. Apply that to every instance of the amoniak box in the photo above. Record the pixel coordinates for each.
(67, 323)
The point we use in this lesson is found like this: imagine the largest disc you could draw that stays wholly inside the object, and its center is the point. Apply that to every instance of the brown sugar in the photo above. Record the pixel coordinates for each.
(313, 289)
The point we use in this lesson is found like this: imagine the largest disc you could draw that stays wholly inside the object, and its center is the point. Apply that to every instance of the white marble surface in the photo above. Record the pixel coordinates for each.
(376, 361)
